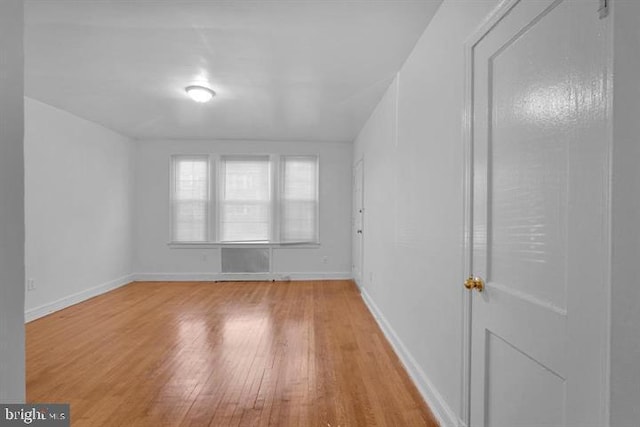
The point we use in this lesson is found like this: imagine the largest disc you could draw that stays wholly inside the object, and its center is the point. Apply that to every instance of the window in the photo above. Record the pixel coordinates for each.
(299, 199)
(190, 198)
(245, 199)
(255, 199)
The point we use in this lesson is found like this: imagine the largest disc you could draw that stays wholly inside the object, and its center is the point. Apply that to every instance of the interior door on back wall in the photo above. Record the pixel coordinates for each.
(539, 219)
(358, 223)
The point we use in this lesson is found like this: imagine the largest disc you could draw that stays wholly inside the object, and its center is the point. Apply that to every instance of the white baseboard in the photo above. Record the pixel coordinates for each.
(69, 300)
(358, 282)
(315, 276)
(445, 416)
(212, 277)
(175, 277)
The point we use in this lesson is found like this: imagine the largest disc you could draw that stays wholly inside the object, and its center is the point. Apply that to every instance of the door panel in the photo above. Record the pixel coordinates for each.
(539, 223)
(514, 378)
(530, 105)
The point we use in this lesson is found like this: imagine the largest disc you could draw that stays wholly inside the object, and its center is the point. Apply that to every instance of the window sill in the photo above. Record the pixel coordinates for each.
(215, 245)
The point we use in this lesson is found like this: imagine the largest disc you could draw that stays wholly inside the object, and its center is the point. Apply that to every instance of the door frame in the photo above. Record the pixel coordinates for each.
(492, 19)
(359, 280)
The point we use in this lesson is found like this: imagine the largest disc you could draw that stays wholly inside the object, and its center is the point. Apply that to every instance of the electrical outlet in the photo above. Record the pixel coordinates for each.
(325, 259)
(31, 285)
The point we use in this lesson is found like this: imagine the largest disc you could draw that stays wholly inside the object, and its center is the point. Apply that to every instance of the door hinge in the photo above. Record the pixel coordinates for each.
(604, 9)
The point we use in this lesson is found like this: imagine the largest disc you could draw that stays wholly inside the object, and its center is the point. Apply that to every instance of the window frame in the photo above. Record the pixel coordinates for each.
(280, 192)
(172, 199)
(221, 175)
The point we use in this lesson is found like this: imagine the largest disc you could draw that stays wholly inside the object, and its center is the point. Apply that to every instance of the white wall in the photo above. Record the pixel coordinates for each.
(155, 260)
(79, 208)
(625, 350)
(413, 163)
(12, 383)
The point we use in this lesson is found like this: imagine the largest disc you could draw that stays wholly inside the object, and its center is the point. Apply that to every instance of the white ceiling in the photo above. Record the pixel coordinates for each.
(283, 70)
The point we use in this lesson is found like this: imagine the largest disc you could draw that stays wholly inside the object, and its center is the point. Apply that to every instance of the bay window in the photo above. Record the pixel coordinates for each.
(253, 199)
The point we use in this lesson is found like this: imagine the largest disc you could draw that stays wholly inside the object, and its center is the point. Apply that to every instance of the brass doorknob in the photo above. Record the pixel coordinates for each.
(474, 283)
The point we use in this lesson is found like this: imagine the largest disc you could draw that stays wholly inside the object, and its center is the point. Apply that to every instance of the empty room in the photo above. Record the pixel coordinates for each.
(320, 213)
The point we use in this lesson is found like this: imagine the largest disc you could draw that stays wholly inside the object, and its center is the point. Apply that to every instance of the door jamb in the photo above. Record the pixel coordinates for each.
(360, 162)
(501, 10)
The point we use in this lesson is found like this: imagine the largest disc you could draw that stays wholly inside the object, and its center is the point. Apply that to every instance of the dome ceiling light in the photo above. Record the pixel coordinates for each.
(200, 94)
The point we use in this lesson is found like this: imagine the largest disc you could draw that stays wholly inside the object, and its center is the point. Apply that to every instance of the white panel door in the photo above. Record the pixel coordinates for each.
(358, 222)
(539, 217)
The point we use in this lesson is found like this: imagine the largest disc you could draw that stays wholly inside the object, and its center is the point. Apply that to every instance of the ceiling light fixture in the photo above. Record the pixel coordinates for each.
(200, 94)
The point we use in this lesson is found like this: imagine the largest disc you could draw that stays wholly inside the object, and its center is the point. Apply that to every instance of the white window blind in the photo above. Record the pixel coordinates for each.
(190, 198)
(299, 199)
(245, 199)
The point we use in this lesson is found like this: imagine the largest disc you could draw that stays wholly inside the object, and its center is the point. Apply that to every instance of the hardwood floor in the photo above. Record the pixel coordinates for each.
(222, 354)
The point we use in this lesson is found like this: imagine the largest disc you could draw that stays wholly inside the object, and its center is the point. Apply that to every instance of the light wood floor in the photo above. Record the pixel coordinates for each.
(222, 354)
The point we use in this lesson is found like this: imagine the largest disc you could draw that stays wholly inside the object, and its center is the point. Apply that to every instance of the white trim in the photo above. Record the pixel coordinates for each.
(346, 275)
(608, 23)
(217, 245)
(175, 277)
(359, 281)
(78, 297)
(396, 126)
(467, 229)
(213, 277)
(444, 414)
